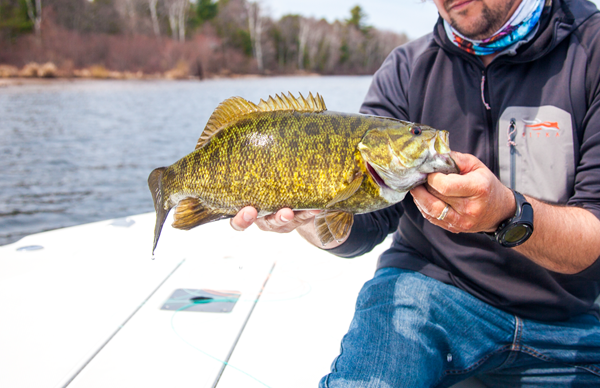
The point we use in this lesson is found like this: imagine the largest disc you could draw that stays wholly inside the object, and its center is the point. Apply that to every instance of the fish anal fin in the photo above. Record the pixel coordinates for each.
(190, 212)
(348, 191)
(333, 225)
(234, 108)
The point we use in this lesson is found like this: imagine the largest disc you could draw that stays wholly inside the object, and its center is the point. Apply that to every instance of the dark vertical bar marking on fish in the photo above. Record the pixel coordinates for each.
(311, 128)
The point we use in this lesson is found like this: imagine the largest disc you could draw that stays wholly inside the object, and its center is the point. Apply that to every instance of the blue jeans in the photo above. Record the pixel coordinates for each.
(413, 331)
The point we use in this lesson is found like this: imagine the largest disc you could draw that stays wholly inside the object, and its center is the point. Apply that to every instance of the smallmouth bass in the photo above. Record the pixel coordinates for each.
(292, 152)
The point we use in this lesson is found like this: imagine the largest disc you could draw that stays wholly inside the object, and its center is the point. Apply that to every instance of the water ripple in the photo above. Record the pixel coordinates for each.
(77, 152)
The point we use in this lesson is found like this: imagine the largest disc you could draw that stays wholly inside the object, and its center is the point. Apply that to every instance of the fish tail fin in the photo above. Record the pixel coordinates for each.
(155, 185)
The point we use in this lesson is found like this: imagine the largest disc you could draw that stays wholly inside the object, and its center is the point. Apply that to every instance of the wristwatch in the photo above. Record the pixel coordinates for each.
(517, 229)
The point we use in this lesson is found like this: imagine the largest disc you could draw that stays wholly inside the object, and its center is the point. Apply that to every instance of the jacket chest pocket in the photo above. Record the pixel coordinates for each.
(535, 151)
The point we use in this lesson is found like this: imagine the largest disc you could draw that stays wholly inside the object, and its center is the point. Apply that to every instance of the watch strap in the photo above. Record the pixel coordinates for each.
(523, 217)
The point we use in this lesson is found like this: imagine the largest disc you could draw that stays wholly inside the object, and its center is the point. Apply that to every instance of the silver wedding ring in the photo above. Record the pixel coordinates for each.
(444, 213)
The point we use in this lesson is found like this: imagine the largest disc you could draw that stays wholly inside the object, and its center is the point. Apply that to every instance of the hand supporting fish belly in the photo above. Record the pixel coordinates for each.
(290, 152)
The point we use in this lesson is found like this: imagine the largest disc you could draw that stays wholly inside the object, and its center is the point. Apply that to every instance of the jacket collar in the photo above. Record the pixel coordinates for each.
(559, 19)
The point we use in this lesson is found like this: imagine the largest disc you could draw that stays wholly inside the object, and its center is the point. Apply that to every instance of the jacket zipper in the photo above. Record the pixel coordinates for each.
(490, 125)
(512, 133)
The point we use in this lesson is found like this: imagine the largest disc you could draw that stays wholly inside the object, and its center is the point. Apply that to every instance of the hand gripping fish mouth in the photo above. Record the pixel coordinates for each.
(292, 152)
(401, 160)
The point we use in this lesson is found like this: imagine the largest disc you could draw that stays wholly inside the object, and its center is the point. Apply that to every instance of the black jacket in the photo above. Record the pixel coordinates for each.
(551, 88)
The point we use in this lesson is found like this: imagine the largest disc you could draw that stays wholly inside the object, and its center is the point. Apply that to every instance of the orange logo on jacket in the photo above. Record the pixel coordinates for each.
(538, 125)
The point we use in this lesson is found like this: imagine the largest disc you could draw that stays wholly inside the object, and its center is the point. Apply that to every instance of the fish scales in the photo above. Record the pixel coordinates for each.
(288, 152)
(273, 160)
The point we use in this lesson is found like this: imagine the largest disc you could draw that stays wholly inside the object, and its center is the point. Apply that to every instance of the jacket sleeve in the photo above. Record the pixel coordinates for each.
(386, 97)
(587, 173)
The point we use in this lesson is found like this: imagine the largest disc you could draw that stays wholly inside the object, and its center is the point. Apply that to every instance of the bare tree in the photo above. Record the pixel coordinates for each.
(36, 16)
(255, 23)
(317, 32)
(333, 45)
(177, 16)
(155, 25)
(127, 13)
(183, 9)
(313, 41)
(285, 36)
(302, 40)
(379, 45)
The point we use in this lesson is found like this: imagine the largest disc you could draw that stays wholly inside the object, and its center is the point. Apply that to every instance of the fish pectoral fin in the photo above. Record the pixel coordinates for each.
(322, 229)
(190, 212)
(347, 192)
(333, 225)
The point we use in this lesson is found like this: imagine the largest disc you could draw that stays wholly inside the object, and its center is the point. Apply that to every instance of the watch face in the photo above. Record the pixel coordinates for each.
(516, 234)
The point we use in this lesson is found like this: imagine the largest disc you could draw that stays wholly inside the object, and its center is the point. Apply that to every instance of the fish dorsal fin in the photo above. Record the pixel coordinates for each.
(234, 108)
(333, 225)
(347, 192)
(190, 213)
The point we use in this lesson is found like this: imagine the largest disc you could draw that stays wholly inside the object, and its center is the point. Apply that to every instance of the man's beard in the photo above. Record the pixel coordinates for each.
(490, 21)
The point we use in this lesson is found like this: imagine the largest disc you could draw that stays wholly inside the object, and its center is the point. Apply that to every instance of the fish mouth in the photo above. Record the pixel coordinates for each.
(447, 165)
(376, 177)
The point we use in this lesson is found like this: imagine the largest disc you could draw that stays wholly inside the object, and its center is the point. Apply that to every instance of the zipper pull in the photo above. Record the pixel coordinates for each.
(512, 130)
(487, 107)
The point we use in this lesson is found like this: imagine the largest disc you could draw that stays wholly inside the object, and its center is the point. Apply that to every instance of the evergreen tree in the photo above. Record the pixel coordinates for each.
(206, 10)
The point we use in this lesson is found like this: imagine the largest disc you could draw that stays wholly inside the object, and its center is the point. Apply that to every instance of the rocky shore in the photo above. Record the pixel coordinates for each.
(35, 73)
(49, 70)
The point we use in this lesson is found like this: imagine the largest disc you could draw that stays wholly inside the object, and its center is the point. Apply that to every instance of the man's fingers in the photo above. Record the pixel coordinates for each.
(428, 204)
(302, 216)
(465, 162)
(452, 185)
(277, 220)
(285, 220)
(466, 184)
(432, 209)
(244, 218)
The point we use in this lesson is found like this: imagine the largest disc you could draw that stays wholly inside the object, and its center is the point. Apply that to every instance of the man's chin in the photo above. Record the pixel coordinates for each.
(472, 27)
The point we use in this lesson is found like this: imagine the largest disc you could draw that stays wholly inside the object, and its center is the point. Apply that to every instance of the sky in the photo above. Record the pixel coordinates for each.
(413, 17)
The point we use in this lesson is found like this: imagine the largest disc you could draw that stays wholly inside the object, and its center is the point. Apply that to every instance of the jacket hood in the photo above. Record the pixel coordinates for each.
(559, 19)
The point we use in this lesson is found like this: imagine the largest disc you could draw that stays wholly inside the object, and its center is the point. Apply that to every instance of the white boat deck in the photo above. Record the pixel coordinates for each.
(82, 307)
(85, 309)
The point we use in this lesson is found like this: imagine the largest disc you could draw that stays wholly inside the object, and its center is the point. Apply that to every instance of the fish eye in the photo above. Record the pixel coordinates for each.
(416, 130)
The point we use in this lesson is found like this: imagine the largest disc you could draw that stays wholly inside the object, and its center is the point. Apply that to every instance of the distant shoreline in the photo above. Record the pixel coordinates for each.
(24, 81)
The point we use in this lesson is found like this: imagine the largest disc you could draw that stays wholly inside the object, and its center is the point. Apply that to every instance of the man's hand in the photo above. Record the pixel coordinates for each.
(565, 239)
(284, 221)
(478, 200)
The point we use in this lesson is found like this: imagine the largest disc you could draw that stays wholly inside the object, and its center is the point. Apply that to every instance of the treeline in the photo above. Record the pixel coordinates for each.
(184, 38)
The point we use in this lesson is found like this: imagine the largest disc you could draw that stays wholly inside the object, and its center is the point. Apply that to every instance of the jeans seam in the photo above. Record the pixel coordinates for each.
(515, 346)
(477, 364)
(534, 353)
(334, 366)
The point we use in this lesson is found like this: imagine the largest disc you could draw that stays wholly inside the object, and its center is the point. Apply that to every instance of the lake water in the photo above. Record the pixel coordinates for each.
(78, 152)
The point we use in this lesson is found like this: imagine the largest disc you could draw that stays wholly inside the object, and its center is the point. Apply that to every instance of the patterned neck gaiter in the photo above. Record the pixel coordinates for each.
(518, 27)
